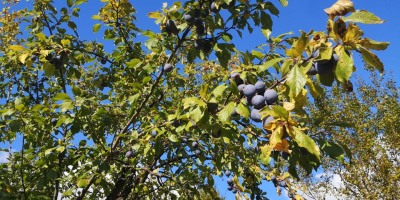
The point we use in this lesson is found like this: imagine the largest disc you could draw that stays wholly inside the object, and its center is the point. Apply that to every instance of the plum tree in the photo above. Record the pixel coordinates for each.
(127, 96)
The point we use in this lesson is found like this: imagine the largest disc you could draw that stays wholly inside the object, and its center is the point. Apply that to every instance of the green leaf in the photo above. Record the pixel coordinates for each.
(296, 79)
(364, 17)
(285, 68)
(306, 142)
(243, 110)
(52, 174)
(266, 21)
(325, 53)
(15, 125)
(219, 90)
(48, 151)
(344, 67)
(70, 3)
(76, 91)
(134, 63)
(371, 44)
(341, 124)
(299, 46)
(326, 80)
(282, 112)
(173, 138)
(266, 32)
(96, 28)
(61, 97)
(72, 25)
(225, 114)
(227, 37)
(257, 54)
(48, 69)
(269, 63)
(371, 59)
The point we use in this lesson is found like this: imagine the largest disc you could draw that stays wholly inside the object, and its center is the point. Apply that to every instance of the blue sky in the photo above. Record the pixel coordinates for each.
(298, 15)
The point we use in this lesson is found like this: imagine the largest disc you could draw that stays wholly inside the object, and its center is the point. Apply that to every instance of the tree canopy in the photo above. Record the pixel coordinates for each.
(164, 118)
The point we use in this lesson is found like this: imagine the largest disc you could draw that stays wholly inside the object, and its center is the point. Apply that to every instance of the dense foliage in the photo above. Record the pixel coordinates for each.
(162, 118)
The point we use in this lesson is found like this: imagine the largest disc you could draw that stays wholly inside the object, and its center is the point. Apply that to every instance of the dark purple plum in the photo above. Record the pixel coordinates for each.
(315, 54)
(248, 101)
(198, 22)
(267, 120)
(241, 88)
(229, 181)
(176, 123)
(217, 135)
(270, 96)
(255, 115)
(212, 107)
(249, 90)
(236, 76)
(282, 184)
(214, 8)
(258, 101)
(185, 140)
(273, 179)
(284, 155)
(207, 48)
(195, 144)
(227, 6)
(33, 57)
(189, 19)
(229, 188)
(263, 177)
(200, 30)
(335, 57)
(170, 25)
(260, 87)
(129, 154)
(154, 133)
(103, 61)
(54, 121)
(312, 70)
(234, 113)
(324, 69)
(198, 152)
(168, 67)
(196, 13)
(198, 44)
(240, 160)
(227, 173)
(234, 190)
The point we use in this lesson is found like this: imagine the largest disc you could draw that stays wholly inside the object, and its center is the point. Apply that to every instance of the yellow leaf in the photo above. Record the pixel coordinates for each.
(298, 197)
(340, 8)
(8, 189)
(245, 196)
(278, 191)
(372, 59)
(353, 32)
(371, 44)
(16, 47)
(65, 42)
(155, 15)
(22, 58)
(283, 146)
(288, 106)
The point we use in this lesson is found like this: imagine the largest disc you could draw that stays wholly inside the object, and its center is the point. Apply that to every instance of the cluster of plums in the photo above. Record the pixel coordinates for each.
(57, 60)
(275, 181)
(324, 67)
(257, 96)
(231, 186)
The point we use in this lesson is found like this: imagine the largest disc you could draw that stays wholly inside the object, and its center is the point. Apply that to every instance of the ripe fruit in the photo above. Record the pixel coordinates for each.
(258, 101)
(255, 115)
(236, 76)
(212, 107)
(285, 156)
(168, 67)
(200, 30)
(229, 181)
(176, 123)
(273, 179)
(189, 19)
(257, 149)
(54, 121)
(49, 57)
(196, 13)
(198, 44)
(230, 5)
(260, 87)
(207, 48)
(170, 24)
(315, 54)
(267, 120)
(154, 133)
(335, 57)
(248, 101)
(195, 144)
(214, 8)
(263, 177)
(234, 190)
(324, 69)
(103, 61)
(229, 187)
(282, 184)
(312, 70)
(270, 96)
(185, 140)
(198, 22)
(249, 90)
(290, 195)
(129, 154)
(33, 57)
(241, 88)
(198, 152)
(240, 160)
(234, 113)
(227, 173)
(218, 135)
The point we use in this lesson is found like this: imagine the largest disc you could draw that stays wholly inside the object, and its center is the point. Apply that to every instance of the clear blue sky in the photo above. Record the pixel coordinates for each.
(298, 15)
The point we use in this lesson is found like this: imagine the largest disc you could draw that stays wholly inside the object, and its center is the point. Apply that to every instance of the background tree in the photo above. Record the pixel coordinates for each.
(374, 141)
(148, 120)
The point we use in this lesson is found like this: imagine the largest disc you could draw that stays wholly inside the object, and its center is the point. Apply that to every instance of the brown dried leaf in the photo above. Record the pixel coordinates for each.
(340, 8)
